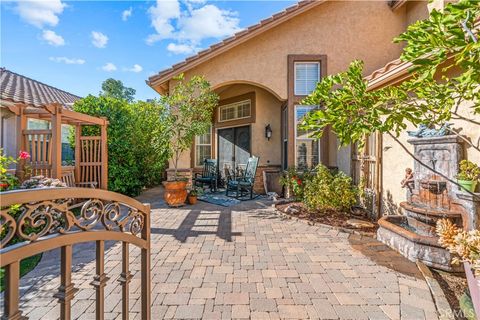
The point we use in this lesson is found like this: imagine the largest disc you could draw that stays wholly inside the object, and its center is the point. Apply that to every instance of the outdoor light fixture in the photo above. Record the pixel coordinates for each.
(268, 132)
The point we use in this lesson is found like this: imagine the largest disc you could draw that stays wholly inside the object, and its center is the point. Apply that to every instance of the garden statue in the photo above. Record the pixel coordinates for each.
(408, 179)
(426, 131)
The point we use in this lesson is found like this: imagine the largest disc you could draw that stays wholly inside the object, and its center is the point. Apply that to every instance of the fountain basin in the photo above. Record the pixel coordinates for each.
(400, 234)
(430, 215)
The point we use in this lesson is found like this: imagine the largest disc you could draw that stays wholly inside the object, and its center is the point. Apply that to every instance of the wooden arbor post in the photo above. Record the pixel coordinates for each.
(56, 110)
(104, 150)
(20, 143)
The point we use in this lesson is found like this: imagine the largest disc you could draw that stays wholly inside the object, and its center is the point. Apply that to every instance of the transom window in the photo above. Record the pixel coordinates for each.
(203, 148)
(234, 111)
(307, 149)
(307, 75)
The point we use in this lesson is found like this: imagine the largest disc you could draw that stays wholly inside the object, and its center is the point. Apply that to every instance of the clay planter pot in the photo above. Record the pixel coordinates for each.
(467, 185)
(175, 193)
(192, 199)
(473, 287)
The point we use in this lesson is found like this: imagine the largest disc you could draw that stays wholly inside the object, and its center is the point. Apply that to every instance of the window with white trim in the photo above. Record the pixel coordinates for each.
(203, 148)
(307, 75)
(307, 149)
(234, 111)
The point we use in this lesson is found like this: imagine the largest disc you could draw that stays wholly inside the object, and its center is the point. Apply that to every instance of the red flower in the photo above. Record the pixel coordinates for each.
(3, 185)
(24, 155)
(299, 182)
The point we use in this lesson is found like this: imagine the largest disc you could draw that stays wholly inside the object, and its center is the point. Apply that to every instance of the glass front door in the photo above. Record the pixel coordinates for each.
(233, 148)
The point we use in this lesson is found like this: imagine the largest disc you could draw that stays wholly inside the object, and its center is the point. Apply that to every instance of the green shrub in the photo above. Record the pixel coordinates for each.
(137, 141)
(329, 191)
(295, 180)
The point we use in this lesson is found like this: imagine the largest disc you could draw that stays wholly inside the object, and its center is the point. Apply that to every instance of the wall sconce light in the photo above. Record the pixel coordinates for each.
(268, 132)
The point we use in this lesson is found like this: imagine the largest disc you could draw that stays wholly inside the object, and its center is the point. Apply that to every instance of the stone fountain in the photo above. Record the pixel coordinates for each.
(430, 198)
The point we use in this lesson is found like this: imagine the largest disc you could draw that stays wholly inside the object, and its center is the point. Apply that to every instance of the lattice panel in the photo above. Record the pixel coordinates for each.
(90, 160)
(37, 144)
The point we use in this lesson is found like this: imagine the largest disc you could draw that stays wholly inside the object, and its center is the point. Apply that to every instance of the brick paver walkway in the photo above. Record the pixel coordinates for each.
(244, 262)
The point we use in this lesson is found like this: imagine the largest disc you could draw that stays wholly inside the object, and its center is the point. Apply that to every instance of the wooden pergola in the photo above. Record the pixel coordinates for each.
(45, 146)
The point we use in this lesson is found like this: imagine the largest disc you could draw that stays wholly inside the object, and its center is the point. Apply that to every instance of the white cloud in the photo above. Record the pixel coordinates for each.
(181, 48)
(67, 60)
(126, 14)
(189, 27)
(161, 15)
(136, 68)
(214, 22)
(99, 40)
(52, 38)
(109, 67)
(40, 12)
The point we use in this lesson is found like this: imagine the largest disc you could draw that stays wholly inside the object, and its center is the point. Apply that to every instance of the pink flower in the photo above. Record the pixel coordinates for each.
(24, 155)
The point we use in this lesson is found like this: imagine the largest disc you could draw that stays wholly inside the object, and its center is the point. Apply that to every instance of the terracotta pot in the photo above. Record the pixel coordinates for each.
(473, 287)
(192, 199)
(175, 193)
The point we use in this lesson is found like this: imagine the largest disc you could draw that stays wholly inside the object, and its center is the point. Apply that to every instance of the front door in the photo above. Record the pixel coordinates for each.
(233, 148)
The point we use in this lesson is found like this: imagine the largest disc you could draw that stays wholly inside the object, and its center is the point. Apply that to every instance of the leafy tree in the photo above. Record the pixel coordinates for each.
(431, 96)
(189, 113)
(445, 55)
(115, 89)
(137, 140)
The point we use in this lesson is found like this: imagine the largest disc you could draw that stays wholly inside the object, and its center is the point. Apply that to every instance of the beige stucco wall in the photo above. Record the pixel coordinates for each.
(415, 10)
(268, 111)
(342, 30)
(395, 160)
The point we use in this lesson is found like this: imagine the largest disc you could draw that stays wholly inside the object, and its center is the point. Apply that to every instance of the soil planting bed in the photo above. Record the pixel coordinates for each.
(454, 286)
(331, 218)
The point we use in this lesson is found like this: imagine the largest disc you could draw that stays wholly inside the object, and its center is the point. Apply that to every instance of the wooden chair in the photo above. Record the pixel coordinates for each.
(69, 179)
(244, 184)
(208, 176)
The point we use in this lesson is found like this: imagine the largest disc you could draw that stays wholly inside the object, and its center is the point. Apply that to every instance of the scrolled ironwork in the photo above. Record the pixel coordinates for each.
(37, 219)
(8, 225)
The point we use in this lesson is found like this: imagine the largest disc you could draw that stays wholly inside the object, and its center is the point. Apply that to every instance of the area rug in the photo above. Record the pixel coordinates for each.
(218, 199)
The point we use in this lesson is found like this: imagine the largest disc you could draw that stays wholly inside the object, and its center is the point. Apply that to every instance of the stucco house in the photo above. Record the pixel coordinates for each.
(21, 90)
(263, 72)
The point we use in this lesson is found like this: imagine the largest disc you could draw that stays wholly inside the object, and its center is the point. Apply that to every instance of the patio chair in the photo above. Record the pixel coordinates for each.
(244, 184)
(208, 176)
(69, 179)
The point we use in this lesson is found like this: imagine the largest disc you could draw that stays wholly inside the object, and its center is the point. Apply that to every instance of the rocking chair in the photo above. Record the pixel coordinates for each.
(208, 176)
(243, 185)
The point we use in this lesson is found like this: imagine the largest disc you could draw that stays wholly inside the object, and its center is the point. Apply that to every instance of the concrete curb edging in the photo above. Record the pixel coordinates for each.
(441, 303)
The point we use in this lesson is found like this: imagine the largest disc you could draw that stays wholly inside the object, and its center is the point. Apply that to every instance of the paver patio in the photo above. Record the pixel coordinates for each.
(242, 262)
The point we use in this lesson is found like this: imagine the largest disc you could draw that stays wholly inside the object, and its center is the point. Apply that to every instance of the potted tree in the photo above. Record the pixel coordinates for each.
(468, 175)
(189, 112)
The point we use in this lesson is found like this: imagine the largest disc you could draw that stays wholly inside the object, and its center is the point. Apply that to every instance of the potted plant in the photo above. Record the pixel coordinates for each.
(466, 246)
(192, 196)
(468, 175)
(189, 112)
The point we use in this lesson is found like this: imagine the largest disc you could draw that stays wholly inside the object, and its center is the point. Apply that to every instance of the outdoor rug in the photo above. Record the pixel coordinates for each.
(218, 199)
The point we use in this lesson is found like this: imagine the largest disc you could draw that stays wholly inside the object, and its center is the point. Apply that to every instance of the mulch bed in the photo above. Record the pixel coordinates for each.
(331, 218)
(454, 286)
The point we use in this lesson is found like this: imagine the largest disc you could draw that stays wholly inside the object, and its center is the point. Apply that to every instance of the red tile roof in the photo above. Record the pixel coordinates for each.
(234, 40)
(17, 88)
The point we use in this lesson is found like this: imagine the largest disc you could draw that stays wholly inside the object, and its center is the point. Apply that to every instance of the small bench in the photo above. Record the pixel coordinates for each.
(69, 179)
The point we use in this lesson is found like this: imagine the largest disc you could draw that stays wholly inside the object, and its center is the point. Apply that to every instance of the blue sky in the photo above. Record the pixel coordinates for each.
(75, 45)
